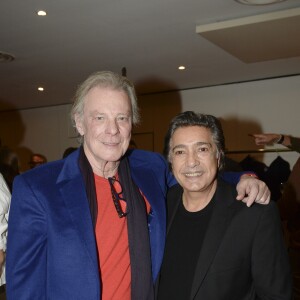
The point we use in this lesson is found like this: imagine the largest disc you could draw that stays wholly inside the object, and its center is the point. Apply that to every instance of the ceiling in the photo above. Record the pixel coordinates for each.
(150, 38)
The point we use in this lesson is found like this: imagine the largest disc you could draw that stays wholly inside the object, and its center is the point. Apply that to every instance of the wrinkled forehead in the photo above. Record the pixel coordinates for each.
(101, 98)
(193, 145)
(192, 135)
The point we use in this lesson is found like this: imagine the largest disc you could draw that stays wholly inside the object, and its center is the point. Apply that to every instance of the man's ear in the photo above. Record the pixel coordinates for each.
(79, 124)
(219, 160)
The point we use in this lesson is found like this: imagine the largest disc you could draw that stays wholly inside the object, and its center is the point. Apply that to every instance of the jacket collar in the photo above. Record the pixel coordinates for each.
(72, 189)
(218, 224)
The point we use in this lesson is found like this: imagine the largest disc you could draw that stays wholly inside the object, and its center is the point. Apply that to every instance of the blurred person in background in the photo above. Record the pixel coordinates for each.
(68, 151)
(36, 160)
(262, 139)
(9, 165)
(5, 198)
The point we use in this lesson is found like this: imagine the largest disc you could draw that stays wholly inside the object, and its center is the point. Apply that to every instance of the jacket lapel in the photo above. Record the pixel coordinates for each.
(174, 198)
(148, 181)
(72, 189)
(218, 224)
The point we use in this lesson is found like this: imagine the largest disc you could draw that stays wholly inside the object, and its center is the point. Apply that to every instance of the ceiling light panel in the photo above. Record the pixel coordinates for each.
(259, 2)
(257, 38)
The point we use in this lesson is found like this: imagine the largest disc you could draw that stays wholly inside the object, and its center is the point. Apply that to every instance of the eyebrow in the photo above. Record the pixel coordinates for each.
(97, 112)
(195, 144)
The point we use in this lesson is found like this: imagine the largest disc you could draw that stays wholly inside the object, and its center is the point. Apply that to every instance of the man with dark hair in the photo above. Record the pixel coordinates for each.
(216, 247)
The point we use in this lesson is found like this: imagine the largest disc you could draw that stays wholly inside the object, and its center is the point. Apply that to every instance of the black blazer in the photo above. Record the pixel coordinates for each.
(243, 254)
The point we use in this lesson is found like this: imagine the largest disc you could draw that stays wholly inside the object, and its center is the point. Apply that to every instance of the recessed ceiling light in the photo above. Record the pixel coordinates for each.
(181, 68)
(41, 13)
(259, 2)
(41, 89)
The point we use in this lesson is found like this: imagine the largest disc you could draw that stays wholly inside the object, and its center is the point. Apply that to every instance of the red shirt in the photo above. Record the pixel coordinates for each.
(112, 242)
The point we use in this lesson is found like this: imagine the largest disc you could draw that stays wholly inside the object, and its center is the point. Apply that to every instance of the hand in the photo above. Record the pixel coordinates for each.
(265, 138)
(251, 189)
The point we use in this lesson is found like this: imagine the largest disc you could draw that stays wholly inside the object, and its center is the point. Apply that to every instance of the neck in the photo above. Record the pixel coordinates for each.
(196, 201)
(106, 169)
(101, 167)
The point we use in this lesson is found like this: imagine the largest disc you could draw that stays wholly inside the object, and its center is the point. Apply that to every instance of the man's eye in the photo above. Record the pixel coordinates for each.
(99, 118)
(178, 152)
(123, 118)
(204, 149)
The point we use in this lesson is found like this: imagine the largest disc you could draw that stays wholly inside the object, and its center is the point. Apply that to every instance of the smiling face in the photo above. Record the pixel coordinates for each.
(106, 127)
(194, 159)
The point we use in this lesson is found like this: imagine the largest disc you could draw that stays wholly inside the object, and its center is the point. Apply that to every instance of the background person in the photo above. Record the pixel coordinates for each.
(68, 151)
(36, 160)
(92, 226)
(9, 165)
(274, 138)
(5, 198)
(216, 248)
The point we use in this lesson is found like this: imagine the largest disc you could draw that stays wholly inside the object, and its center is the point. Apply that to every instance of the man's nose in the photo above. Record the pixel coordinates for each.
(192, 159)
(112, 127)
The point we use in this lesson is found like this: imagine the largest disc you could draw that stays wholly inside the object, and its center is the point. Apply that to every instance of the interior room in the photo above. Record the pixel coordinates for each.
(237, 60)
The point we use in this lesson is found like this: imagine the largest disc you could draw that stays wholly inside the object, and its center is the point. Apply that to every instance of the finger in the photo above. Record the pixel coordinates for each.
(249, 201)
(242, 192)
(260, 140)
(245, 198)
(240, 196)
(264, 194)
(265, 198)
(251, 195)
(255, 134)
(268, 199)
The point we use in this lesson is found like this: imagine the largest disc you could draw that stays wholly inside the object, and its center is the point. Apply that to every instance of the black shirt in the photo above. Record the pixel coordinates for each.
(183, 245)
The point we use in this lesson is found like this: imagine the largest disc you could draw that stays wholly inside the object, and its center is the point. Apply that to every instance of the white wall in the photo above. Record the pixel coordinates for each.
(259, 106)
(41, 130)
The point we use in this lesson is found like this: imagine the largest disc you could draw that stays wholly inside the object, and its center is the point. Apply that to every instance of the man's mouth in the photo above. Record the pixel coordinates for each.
(193, 174)
(110, 143)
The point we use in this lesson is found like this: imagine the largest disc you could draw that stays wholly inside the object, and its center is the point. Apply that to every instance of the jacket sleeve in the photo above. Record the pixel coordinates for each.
(26, 249)
(270, 264)
(233, 178)
(295, 144)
